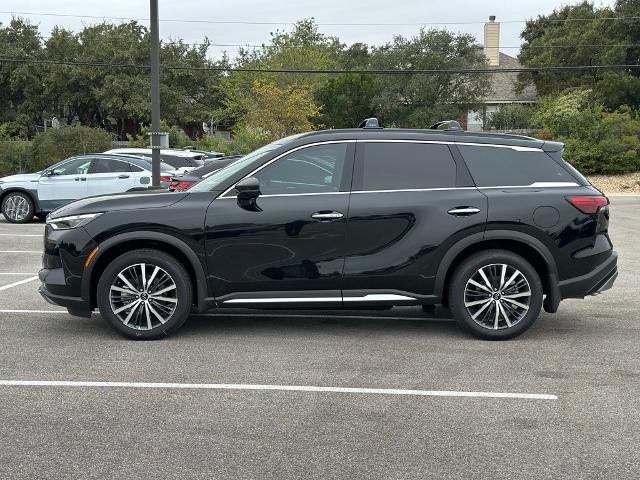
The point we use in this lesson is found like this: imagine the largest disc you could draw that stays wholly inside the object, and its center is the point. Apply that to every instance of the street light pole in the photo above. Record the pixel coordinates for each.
(155, 94)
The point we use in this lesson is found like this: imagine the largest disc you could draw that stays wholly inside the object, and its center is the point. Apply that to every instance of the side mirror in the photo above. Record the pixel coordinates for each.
(248, 188)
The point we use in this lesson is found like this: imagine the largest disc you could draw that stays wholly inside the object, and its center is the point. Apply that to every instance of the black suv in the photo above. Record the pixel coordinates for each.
(492, 226)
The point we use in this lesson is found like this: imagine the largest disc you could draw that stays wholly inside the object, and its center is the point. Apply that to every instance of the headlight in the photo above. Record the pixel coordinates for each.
(72, 221)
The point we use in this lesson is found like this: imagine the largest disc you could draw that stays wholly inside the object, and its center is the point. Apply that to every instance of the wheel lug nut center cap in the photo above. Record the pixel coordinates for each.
(496, 296)
(144, 296)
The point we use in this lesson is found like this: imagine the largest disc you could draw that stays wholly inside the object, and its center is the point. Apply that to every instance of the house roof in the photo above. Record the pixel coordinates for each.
(503, 84)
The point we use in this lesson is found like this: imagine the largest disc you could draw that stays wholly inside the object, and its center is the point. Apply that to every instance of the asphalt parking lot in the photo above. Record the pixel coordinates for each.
(587, 355)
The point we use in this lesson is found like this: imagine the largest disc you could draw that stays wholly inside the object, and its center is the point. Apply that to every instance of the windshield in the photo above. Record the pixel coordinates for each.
(219, 176)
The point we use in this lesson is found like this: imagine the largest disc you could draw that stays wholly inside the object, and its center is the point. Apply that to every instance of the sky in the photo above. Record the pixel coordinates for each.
(412, 14)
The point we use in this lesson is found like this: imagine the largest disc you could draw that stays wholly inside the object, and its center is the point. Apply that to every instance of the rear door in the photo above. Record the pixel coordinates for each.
(64, 183)
(109, 176)
(410, 202)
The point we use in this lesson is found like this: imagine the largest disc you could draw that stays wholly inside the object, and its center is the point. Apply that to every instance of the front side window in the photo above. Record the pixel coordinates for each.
(405, 166)
(503, 167)
(316, 169)
(77, 166)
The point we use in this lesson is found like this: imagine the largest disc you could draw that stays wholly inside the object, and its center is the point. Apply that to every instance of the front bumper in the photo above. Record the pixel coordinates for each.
(53, 291)
(596, 281)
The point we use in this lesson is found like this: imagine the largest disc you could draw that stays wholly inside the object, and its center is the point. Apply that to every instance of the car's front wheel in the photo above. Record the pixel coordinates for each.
(495, 295)
(145, 294)
(18, 207)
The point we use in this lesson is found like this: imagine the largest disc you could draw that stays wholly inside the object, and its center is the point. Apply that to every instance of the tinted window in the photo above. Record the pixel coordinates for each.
(105, 165)
(179, 162)
(78, 166)
(495, 167)
(135, 168)
(399, 166)
(308, 170)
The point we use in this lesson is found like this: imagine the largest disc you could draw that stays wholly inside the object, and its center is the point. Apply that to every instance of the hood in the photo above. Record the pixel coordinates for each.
(120, 201)
(21, 177)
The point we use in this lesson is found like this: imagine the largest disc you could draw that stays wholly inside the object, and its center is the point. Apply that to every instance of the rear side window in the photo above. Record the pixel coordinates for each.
(178, 162)
(403, 166)
(505, 167)
(105, 165)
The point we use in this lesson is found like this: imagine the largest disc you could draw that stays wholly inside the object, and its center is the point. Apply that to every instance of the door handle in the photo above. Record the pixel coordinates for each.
(77, 179)
(123, 176)
(327, 216)
(463, 211)
(83, 179)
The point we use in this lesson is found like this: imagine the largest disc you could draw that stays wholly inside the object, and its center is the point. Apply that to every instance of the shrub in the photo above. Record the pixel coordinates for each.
(59, 143)
(511, 117)
(15, 157)
(596, 141)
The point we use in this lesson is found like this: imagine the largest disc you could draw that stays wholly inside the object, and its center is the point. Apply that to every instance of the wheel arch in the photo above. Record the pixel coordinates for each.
(528, 247)
(115, 246)
(31, 193)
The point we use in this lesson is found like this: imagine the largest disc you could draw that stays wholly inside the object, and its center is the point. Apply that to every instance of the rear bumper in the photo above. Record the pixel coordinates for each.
(596, 281)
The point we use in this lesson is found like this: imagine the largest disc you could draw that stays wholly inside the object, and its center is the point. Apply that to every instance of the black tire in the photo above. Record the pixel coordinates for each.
(25, 200)
(182, 297)
(521, 318)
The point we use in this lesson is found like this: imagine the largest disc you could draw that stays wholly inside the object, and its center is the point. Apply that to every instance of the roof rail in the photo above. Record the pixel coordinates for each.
(449, 126)
(370, 123)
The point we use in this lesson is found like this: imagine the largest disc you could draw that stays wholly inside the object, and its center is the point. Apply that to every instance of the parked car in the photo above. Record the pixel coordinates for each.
(180, 160)
(493, 226)
(26, 195)
(183, 182)
(206, 155)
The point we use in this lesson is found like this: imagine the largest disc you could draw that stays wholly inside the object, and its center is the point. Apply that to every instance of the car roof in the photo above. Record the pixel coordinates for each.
(426, 135)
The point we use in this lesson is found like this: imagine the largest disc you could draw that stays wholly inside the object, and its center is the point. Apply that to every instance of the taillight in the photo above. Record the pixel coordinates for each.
(165, 179)
(589, 204)
(180, 185)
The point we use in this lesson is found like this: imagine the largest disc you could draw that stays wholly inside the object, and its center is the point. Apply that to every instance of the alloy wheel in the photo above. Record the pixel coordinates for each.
(143, 296)
(16, 207)
(497, 296)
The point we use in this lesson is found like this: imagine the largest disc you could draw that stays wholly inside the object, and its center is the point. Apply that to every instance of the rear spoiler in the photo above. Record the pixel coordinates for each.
(552, 146)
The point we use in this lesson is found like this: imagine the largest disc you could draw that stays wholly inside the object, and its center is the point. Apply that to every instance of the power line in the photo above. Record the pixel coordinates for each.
(334, 24)
(434, 71)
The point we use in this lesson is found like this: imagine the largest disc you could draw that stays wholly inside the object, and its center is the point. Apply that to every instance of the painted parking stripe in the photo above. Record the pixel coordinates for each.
(33, 311)
(285, 388)
(19, 235)
(20, 251)
(15, 284)
(17, 273)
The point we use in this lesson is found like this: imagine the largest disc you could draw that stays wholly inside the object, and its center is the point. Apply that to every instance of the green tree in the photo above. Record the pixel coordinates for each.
(565, 38)
(345, 100)
(421, 100)
(511, 117)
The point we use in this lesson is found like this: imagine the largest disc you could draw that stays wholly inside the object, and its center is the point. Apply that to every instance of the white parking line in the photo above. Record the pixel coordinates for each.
(17, 273)
(20, 251)
(33, 311)
(286, 388)
(15, 284)
(19, 235)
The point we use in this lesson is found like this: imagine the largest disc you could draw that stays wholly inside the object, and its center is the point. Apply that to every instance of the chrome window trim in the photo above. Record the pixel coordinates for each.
(326, 142)
(517, 148)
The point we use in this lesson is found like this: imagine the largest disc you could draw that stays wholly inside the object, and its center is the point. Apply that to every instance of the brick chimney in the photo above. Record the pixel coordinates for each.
(492, 41)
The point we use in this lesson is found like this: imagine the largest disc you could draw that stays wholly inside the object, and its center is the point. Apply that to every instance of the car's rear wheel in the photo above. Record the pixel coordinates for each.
(145, 294)
(495, 295)
(18, 207)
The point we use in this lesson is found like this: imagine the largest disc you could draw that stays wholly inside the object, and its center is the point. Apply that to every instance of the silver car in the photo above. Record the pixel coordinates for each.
(26, 195)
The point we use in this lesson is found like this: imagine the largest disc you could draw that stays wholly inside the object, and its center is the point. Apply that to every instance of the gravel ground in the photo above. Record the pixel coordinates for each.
(617, 184)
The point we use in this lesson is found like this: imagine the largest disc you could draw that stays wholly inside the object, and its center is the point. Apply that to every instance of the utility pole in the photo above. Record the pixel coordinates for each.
(155, 94)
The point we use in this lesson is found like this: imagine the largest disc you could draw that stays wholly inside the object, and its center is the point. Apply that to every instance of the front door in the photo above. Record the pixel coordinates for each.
(288, 248)
(64, 183)
(407, 208)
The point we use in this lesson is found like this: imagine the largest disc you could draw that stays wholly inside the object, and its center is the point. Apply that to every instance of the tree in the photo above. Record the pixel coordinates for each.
(565, 38)
(421, 100)
(511, 117)
(279, 112)
(345, 100)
